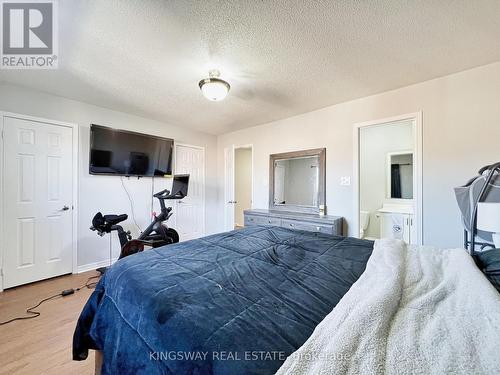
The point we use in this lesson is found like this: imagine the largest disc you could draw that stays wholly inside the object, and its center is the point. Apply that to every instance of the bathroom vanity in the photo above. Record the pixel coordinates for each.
(396, 221)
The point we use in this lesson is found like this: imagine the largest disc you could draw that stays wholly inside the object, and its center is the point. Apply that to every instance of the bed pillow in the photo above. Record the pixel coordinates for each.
(489, 263)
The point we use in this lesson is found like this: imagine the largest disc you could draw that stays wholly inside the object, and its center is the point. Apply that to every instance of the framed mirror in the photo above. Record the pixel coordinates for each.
(400, 175)
(297, 181)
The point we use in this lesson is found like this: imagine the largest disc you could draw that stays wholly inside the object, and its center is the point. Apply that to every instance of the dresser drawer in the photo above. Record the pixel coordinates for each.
(308, 226)
(261, 220)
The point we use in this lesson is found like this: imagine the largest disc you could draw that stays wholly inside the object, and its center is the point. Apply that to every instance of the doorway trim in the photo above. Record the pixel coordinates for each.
(416, 117)
(201, 148)
(75, 189)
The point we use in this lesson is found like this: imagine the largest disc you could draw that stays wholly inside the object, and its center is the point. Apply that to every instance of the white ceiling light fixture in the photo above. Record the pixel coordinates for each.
(214, 88)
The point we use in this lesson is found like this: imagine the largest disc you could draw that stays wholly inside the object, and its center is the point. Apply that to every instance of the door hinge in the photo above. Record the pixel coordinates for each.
(2, 133)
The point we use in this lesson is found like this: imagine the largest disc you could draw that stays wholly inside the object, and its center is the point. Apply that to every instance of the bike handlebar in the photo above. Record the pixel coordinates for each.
(162, 194)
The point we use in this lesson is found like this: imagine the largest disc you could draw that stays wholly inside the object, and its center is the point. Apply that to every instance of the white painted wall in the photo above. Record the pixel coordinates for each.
(242, 183)
(105, 193)
(461, 129)
(375, 142)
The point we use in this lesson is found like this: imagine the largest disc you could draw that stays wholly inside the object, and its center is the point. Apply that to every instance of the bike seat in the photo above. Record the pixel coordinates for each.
(115, 219)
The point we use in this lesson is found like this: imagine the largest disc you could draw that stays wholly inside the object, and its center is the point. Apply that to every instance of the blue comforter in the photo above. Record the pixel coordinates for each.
(232, 303)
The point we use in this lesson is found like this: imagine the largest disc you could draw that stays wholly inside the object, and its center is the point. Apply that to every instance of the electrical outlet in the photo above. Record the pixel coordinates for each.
(345, 180)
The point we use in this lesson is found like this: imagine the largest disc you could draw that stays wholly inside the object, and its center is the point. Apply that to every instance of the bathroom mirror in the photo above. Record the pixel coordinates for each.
(297, 181)
(400, 175)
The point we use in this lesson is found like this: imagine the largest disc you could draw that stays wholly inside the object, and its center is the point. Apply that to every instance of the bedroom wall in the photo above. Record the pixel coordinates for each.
(106, 193)
(461, 131)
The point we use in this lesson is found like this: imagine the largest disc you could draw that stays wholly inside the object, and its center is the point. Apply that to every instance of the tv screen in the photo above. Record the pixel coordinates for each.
(124, 153)
(180, 185)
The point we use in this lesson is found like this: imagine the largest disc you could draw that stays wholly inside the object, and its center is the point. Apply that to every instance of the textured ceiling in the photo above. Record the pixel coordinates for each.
(281, 57)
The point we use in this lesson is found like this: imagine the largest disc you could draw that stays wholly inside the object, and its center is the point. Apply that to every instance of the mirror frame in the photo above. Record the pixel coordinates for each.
(388, 182)
(321, 153)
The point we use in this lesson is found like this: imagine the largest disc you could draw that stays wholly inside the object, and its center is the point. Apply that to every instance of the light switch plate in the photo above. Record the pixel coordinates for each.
(345, 180)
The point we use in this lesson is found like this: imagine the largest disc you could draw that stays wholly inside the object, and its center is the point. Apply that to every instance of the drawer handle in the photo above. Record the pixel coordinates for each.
(291, 224)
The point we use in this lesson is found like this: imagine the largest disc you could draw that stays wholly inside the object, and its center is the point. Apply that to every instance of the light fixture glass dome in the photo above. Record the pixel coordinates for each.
(214, 88)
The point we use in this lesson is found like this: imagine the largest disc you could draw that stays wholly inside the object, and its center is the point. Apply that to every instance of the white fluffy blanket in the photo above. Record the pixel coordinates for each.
(413, 311)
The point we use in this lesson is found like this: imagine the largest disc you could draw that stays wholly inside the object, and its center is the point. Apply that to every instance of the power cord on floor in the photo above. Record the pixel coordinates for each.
(64, 293)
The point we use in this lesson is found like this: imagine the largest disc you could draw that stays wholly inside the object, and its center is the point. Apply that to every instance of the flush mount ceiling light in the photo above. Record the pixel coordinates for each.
(214, 88)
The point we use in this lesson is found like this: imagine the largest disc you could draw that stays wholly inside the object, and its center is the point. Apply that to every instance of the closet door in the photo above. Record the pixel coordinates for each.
(37, 200)
(190, 211)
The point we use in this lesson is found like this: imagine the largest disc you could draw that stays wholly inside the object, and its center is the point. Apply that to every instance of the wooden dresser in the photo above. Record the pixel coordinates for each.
(294, 220)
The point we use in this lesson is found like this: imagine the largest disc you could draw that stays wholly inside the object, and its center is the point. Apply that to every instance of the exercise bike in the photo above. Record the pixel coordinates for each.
(157, 234)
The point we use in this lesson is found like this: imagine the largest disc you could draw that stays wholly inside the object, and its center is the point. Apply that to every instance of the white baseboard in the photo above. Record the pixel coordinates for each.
(93, 266)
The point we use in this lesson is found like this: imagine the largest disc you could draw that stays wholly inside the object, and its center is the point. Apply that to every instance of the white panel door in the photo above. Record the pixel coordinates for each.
(38, 185)
(229, 188)
(190, 211)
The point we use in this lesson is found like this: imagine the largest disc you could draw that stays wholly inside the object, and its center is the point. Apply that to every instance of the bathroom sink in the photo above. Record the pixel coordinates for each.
(392, 208)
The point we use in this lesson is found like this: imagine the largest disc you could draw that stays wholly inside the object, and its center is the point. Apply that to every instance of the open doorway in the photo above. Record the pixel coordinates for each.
(389, 179)
(238, 189)
(242, 183)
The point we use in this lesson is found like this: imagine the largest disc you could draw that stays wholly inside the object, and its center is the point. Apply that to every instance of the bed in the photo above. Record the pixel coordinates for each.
(233, 303)
(415, 310)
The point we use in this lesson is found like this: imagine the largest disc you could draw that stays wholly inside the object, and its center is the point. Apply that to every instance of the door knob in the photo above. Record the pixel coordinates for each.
(65, 208)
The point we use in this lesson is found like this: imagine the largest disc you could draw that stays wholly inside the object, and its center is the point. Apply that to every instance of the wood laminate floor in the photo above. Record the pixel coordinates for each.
(43, 345)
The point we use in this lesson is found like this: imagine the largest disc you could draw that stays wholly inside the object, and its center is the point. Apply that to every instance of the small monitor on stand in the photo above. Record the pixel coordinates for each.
(180, 185)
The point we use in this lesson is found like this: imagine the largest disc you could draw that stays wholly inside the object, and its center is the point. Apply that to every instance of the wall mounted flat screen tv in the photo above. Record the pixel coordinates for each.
(124, 153)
